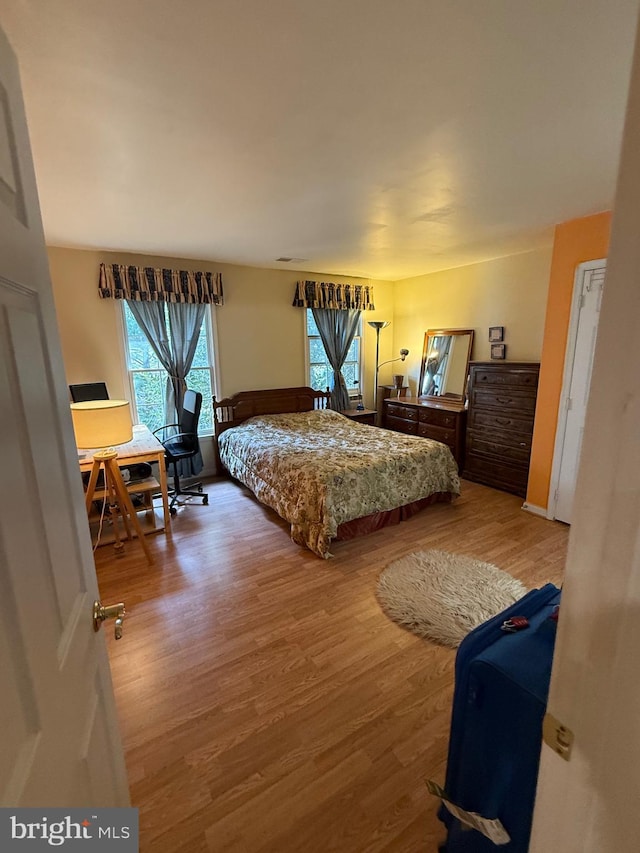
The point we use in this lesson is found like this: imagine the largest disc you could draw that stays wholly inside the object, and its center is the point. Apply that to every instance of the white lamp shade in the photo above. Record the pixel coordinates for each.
(101, 423)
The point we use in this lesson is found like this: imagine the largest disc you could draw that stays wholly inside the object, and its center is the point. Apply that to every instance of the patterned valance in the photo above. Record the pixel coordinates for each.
(325, 294)
(146, 284)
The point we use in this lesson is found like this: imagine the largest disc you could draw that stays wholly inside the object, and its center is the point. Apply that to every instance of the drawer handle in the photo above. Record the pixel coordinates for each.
(503, 399)
(523, 444)
(503, 420)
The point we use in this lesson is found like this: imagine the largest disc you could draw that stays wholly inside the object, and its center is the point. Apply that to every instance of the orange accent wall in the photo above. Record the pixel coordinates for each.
(576, 241)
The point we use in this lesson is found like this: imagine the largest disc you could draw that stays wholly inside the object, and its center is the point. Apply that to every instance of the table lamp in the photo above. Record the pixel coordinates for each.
(101, 425)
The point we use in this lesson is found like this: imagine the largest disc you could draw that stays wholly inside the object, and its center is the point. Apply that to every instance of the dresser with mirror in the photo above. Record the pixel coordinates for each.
(438, 411)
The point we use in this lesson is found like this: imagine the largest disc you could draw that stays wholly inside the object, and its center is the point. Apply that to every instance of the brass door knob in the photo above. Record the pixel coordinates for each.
(111, 611)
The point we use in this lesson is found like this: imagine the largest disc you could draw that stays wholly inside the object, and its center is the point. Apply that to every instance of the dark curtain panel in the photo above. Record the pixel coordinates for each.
(185, 322)
(175, 350)
(337, 329)
(151, 318)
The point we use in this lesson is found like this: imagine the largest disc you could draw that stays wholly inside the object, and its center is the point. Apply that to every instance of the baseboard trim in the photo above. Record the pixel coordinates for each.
(535, 510)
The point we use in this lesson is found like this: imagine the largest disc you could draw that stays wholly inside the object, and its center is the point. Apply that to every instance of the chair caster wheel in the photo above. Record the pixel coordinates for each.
(173, 511)
(205, 500)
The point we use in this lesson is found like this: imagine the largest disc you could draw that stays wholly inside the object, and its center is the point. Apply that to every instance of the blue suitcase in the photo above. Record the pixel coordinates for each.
(501, 689)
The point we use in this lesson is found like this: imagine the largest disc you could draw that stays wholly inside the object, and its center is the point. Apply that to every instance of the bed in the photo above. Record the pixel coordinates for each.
(328, 476)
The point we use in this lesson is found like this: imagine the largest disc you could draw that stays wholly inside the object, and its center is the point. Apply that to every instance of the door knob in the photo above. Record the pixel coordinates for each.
(112, 611)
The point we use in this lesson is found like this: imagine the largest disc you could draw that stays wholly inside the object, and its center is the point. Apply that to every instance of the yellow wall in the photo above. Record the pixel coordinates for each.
(509, 292)
(88, 331)
(260, 335)
(576, 241)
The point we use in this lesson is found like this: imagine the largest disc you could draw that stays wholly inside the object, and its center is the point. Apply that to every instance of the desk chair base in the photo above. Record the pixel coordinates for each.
(183, 445)
(194, 491)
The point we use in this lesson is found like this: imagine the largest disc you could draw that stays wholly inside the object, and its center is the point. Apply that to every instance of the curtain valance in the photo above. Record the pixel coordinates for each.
(146, 284)
(325, 294)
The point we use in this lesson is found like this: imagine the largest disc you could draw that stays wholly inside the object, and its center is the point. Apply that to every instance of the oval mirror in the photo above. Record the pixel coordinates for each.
(445, 363)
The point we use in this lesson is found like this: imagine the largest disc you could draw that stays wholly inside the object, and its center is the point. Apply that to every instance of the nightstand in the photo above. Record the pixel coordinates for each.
(363, 416)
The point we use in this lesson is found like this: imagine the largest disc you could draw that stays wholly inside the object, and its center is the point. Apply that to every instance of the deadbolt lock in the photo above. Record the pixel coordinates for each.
(112, 611)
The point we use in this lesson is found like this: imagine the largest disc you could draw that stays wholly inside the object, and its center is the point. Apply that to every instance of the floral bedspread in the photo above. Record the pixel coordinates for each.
(318, 469)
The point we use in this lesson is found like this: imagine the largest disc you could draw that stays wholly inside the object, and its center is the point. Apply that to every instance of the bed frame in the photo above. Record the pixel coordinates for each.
(234, 410)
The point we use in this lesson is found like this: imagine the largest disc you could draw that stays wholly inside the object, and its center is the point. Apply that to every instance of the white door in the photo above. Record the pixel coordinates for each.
(577, 380)
(59, 740)
(590, 804)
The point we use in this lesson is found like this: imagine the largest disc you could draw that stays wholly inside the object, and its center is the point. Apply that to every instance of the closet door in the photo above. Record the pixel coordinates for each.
(577, 381)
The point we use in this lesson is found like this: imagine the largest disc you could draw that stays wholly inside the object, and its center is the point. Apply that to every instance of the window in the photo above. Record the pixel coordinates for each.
(147, 377)
(320, 370)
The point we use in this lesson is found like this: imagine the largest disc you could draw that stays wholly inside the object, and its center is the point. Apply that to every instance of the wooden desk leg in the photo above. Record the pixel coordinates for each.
(110, 500)
(114, 511)
(93, 480)
(121, 512)
(124, 502)
(164, 489)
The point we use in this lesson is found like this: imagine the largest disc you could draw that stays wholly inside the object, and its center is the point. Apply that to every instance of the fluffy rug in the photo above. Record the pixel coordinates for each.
(443, 596)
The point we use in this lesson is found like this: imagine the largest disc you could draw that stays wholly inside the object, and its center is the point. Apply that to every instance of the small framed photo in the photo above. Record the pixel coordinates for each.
(496, 334)
(498, 351)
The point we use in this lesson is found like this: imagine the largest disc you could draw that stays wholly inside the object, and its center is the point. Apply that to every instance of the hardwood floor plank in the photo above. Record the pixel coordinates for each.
(266, 702)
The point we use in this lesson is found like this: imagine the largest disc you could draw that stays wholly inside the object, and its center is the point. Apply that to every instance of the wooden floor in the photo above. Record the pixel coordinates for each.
(265, 701)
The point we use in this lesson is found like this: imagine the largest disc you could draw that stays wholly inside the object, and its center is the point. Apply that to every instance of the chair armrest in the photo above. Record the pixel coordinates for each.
(183, 435)
(166, 426)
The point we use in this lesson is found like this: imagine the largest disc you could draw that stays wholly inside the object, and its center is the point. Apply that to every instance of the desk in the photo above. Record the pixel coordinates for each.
(144, 447)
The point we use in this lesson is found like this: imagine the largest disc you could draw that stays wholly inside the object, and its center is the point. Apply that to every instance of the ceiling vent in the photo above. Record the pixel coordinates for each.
(289, 260)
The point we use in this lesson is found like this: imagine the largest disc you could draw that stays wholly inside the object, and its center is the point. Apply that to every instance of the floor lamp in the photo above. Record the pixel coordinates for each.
(377, 325)
(100, 425)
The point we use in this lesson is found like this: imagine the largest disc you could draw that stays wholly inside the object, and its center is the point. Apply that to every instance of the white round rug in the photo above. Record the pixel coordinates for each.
(443, 596)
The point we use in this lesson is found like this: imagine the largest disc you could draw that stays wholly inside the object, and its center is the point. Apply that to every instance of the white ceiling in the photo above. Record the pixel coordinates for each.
(365, 137)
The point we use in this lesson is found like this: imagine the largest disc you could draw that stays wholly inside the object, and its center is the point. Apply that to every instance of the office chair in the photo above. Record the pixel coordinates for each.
(183, 445)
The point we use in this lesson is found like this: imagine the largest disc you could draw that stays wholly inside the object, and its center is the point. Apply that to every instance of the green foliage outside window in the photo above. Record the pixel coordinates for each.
(149, 377)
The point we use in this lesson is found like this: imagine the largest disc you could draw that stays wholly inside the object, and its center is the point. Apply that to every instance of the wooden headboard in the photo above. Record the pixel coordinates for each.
(234, 410)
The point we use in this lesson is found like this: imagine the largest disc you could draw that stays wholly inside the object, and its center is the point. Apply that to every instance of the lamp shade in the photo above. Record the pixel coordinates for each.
(101, 423)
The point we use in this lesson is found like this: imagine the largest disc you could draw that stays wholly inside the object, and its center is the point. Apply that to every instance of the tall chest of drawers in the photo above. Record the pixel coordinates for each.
(442, 421)
(502, 404)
